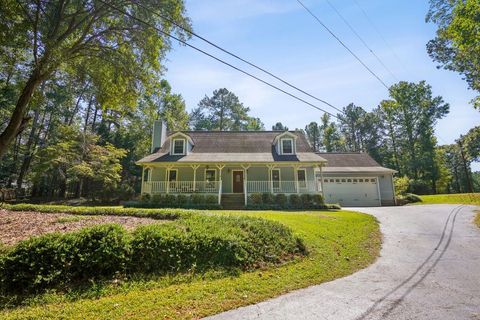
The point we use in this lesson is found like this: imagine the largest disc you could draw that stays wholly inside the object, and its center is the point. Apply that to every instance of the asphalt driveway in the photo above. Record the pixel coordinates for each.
(429, 268)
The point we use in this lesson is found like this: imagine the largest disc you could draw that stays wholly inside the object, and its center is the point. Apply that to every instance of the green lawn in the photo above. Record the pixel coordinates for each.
(340, 243)
(460, 198)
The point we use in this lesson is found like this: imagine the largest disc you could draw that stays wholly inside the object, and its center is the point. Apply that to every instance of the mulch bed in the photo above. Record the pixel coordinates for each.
(16, 226)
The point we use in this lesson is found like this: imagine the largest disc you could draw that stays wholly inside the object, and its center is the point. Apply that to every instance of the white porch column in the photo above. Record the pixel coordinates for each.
(321, 181)
(245, 182)
(167, 177)
(220, 184)
(195, 167)
(270, 181)
(143, 175)
(295, 173)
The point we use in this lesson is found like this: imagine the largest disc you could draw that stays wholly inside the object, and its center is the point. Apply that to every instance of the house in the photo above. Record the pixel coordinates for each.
(234, 164)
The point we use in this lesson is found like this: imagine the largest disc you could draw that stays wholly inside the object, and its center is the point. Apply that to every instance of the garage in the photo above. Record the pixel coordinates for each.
(352, 191)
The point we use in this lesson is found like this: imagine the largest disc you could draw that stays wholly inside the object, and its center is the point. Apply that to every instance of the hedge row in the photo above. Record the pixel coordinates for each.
(160, 214)
(108, 251)
(283, 201)
(193, 201)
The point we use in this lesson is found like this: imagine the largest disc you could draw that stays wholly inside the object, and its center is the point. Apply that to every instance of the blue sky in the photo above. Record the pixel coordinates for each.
(280, 36)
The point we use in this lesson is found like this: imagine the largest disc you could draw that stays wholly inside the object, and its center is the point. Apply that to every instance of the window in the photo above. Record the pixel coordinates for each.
(172, 175)
(287, 146)
(210, 178)
(276, 179)
(331, 180)
(302, 178)
(343, 180)
(366, 180)
(349, 180)
(360, 180)
(178, 146)
(354, 180)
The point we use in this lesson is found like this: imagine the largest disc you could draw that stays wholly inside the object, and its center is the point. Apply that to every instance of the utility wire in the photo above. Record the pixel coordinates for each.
(361, 39)
(342, 43)
(215, 58)
(234, 55)
(370, 21)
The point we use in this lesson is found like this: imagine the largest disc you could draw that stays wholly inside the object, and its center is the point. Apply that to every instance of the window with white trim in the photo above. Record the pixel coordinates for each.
(178, 146)
(302, 178)
(286, 146)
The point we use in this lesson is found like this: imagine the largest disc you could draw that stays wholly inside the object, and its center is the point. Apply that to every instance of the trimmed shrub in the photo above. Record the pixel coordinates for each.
(295, 201)
(182, 200)
(412, 198)
(281, 200)
(211, 199)
(256, 199)
(268, 198)
(55, 259)
(306, 200)
(107, 251)
(160, 214)
(197, 198)
(317, 199)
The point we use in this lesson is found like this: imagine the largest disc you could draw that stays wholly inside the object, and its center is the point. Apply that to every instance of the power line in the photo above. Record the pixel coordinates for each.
(370, 21)
(361, 39)
(342, 43)
(215, 58)
(234, 55)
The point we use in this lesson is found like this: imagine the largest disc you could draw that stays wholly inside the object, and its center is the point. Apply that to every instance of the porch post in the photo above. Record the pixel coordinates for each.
(220, 184)
(321, 177)
(245, 182)
(295, 173)
(270, 181)
(143, 174)
(195, 167)
(167, 176)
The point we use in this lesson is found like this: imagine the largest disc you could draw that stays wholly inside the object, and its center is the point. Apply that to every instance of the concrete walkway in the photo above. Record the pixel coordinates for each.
(429, 268)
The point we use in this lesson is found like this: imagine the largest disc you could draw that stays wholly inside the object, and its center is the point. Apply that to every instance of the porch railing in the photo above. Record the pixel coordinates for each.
(282, 186)
(180, 187)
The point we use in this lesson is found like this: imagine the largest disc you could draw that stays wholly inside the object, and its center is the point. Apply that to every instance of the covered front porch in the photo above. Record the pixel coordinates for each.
(242, 178)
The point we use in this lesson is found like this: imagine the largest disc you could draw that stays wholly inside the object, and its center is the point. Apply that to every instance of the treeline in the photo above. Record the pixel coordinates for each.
(399, 134)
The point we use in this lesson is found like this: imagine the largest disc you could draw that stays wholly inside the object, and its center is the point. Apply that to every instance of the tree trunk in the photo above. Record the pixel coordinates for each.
(18, 119)
(465, 168)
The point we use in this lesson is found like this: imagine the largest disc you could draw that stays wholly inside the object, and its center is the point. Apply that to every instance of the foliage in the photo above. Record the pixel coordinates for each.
(55, 259)
(223, 111)
(106, 251)
(339, 244)
(457, 43)
(194, 201)
(279, 127)
(160, 214)
(401, 184)
(90, 44)
(268, 201)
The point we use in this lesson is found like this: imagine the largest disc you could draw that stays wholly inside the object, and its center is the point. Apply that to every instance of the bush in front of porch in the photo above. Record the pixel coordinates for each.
(281, 201)
(193, 201)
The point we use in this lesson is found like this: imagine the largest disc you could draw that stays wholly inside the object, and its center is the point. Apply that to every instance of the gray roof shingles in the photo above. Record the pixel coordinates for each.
(236, 146)
(351, 162)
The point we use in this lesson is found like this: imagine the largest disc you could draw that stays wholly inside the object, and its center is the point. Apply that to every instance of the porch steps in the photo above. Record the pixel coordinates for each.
(234, 201)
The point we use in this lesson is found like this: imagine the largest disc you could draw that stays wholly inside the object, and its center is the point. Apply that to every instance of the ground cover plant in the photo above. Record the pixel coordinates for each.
(338, 243)
(459, 198)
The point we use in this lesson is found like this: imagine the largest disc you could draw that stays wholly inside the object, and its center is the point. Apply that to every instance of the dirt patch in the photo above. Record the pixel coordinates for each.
(16, 226)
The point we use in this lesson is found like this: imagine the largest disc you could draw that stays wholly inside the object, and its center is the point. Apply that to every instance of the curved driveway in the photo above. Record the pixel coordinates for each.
(429, 268)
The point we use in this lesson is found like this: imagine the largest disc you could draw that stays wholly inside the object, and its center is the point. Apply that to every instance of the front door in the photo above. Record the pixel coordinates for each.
(237, 181)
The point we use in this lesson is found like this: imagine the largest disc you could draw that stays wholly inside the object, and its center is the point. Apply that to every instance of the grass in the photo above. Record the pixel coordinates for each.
(459, 198)
(477, 219)
(339, 242)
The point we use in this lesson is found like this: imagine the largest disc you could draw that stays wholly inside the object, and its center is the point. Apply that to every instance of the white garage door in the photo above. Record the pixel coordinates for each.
(351, 191)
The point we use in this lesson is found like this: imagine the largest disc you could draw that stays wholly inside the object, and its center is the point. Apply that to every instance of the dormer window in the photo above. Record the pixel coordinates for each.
(286, 146)
(178, 146)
